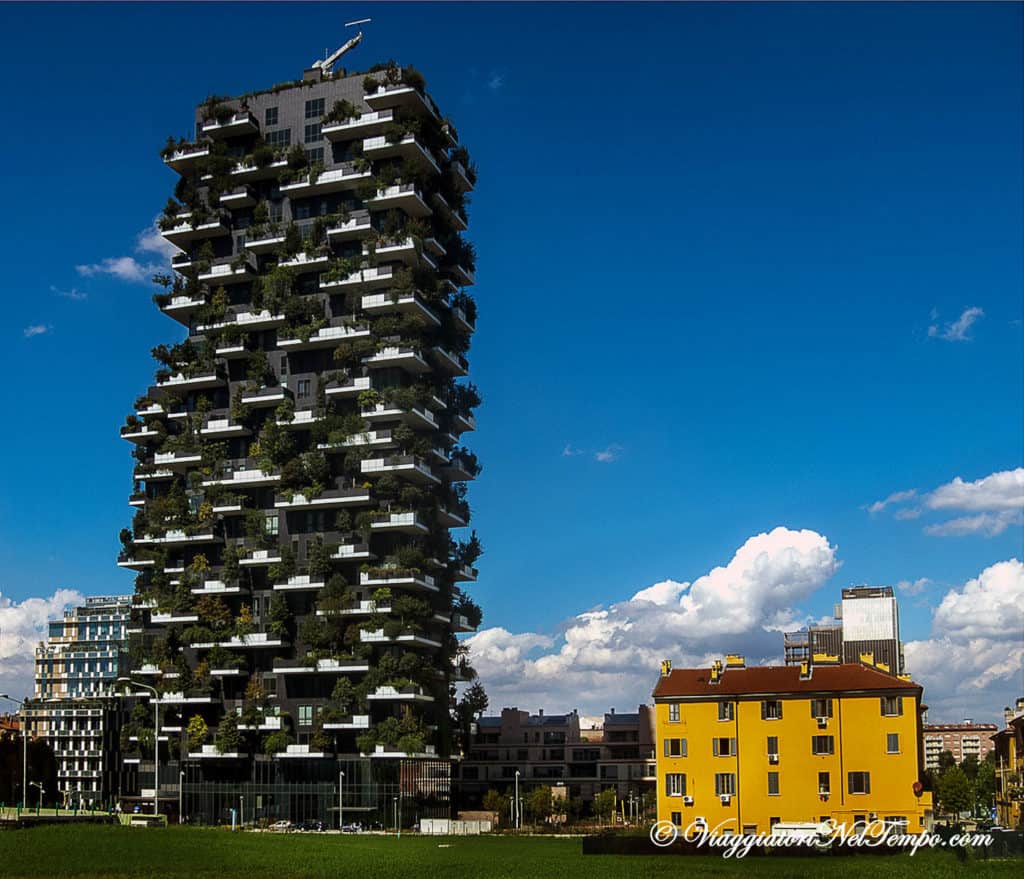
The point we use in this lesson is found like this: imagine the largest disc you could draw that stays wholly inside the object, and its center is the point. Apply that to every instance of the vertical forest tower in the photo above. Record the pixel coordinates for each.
(300, 460)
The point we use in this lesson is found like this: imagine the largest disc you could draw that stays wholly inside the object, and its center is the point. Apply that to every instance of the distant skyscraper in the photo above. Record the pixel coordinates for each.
(867, 621)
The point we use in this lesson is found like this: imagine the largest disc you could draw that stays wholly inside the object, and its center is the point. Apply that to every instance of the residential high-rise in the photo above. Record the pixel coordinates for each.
(962, 740)
(300, 459)
(867, 621)
(742, 749)
(74, 707)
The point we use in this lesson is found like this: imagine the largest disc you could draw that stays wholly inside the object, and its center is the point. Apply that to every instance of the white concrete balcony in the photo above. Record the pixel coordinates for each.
(325, 337)
(266, 724)
(148, 473)
(216, 587)
(408, 148)
(301, 751)
(409, 640)
(236, 270)
(409, 359)
(261, 558)
(224, 428)
(322, 666)
(355, 721)
(402, 196)
(264, 243)
(463, 422)
(178, 461)
(171, 618)
(302, 419)
(139, 433)
(352, 552)
(151, 409)
(451, 519)
(451, 363)
(147, 668)
(407, 466)
(330, 499)
(405, 303)
(415, 417)
(210, 752)
(462, 276)
(232, 508)
(251, 171)
(374, 439)
(185, 231)
(335, 180)
(400, 250)
(456, 219)
(405, 694)
(355, 227)
(244, 473)
(227, 672)
(383, 752)
(177, 537)
(181, 698)
(461, 176)
(367, 278)
(246, 321)
(181, 308)
(460, 623)
(403, 523)
(241, 123)
(138, 499)
(459, 469)
(255, 641)
(305, 262)
(202, 381)
(351, 388)
(464, 573)
(266, 397)
(186, 159)
(389, 97)
(299, 583)
(239, 197)
(232, 350)
(359, 609)
(366, 125)
(404, 579)
(461, 321)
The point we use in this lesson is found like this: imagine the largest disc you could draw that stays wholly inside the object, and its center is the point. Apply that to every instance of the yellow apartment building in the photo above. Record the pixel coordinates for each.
(740, 749)
(1009, 748)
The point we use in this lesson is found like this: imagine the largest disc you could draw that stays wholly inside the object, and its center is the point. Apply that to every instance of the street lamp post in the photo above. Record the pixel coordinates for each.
(24, 746)
(518, 811)
(181, 788)
(41, 792)
(341, 801)
(156, 739)
(395, 812)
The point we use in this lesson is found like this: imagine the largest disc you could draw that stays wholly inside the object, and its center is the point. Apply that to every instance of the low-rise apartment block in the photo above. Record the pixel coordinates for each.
(961, 739)
(741, 749)
(1008, 744)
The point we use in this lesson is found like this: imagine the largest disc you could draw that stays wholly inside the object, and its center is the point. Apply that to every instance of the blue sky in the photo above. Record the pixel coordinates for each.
(723, 253)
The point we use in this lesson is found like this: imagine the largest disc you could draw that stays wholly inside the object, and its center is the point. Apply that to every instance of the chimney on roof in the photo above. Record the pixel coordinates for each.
(1007, 715)
(612, 711)
(735, 660)
(1020, 703)
(805, 670)
(868, 658)
(540, 712)
(716, 671)
(968, 721)
(666, 667)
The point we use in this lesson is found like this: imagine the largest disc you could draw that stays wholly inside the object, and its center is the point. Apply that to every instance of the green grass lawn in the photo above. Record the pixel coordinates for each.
(188, 852)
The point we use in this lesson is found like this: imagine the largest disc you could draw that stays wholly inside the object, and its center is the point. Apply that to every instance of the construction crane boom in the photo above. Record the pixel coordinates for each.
(326, 65)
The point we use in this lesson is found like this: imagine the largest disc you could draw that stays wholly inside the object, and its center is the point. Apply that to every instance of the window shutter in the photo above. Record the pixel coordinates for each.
(899, 706)
(828, 705)
(665, 742)
(882, 709)
(732, 747)
(867, 782)
(778, 707)
(849, 782)
(683, 746)
(714, 747)
(668, 785)
(682, 779)
(764, 710)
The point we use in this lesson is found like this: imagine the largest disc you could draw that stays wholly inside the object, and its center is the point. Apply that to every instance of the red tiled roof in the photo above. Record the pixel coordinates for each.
(777, 679)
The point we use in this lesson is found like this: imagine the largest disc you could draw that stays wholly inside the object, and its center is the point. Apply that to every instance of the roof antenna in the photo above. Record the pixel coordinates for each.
(326, 65)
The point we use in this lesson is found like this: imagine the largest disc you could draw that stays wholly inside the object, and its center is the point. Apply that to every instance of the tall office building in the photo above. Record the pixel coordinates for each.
(74, 706)
(867, 621)
(299, 460)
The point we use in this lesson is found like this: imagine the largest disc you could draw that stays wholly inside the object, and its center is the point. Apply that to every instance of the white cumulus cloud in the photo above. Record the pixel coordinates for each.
(973, 662)
(957, 331)
(129, 268)
(22, 626)
(609, 656)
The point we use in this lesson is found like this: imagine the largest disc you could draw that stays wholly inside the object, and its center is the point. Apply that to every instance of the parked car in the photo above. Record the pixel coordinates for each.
(281, 827)
(310, 826)
(352, 828)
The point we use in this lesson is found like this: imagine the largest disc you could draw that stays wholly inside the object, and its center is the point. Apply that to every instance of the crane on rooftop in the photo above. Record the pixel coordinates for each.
(326, 64)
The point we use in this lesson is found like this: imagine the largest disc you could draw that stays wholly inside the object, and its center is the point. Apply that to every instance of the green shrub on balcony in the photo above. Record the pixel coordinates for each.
(196, 732)
(228, 740)
(276, 742)
(342, 111)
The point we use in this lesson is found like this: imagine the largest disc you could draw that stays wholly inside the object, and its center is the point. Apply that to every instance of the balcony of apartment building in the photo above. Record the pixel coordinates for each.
(201, 379)
(406, 466)
(266, 397)
(243, 196)
(461, 176)
(187, 158)
(240, 123)
(461, 320)
(356, 226)
(453, 216)
(408, 147)
(401, 357)
(306, 666)
(462, 573)
(411, 303)
(230, 270)
(182, 307)
(219, 425)
(460, 468)
(404, 639)
(336, 180)
(407, 694)
(449, 362)
(391, 97)
(403, 523)
(348, 551)
(340, 495)
(307, 263)
(372, 439)
(401, 196)
(249, 171)
(242, 473)
(364, 125)
(187, 231)
(406, 578)
(246, 322)
(365, 278)
(362, 608)
(414, 416)
(339, 330)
